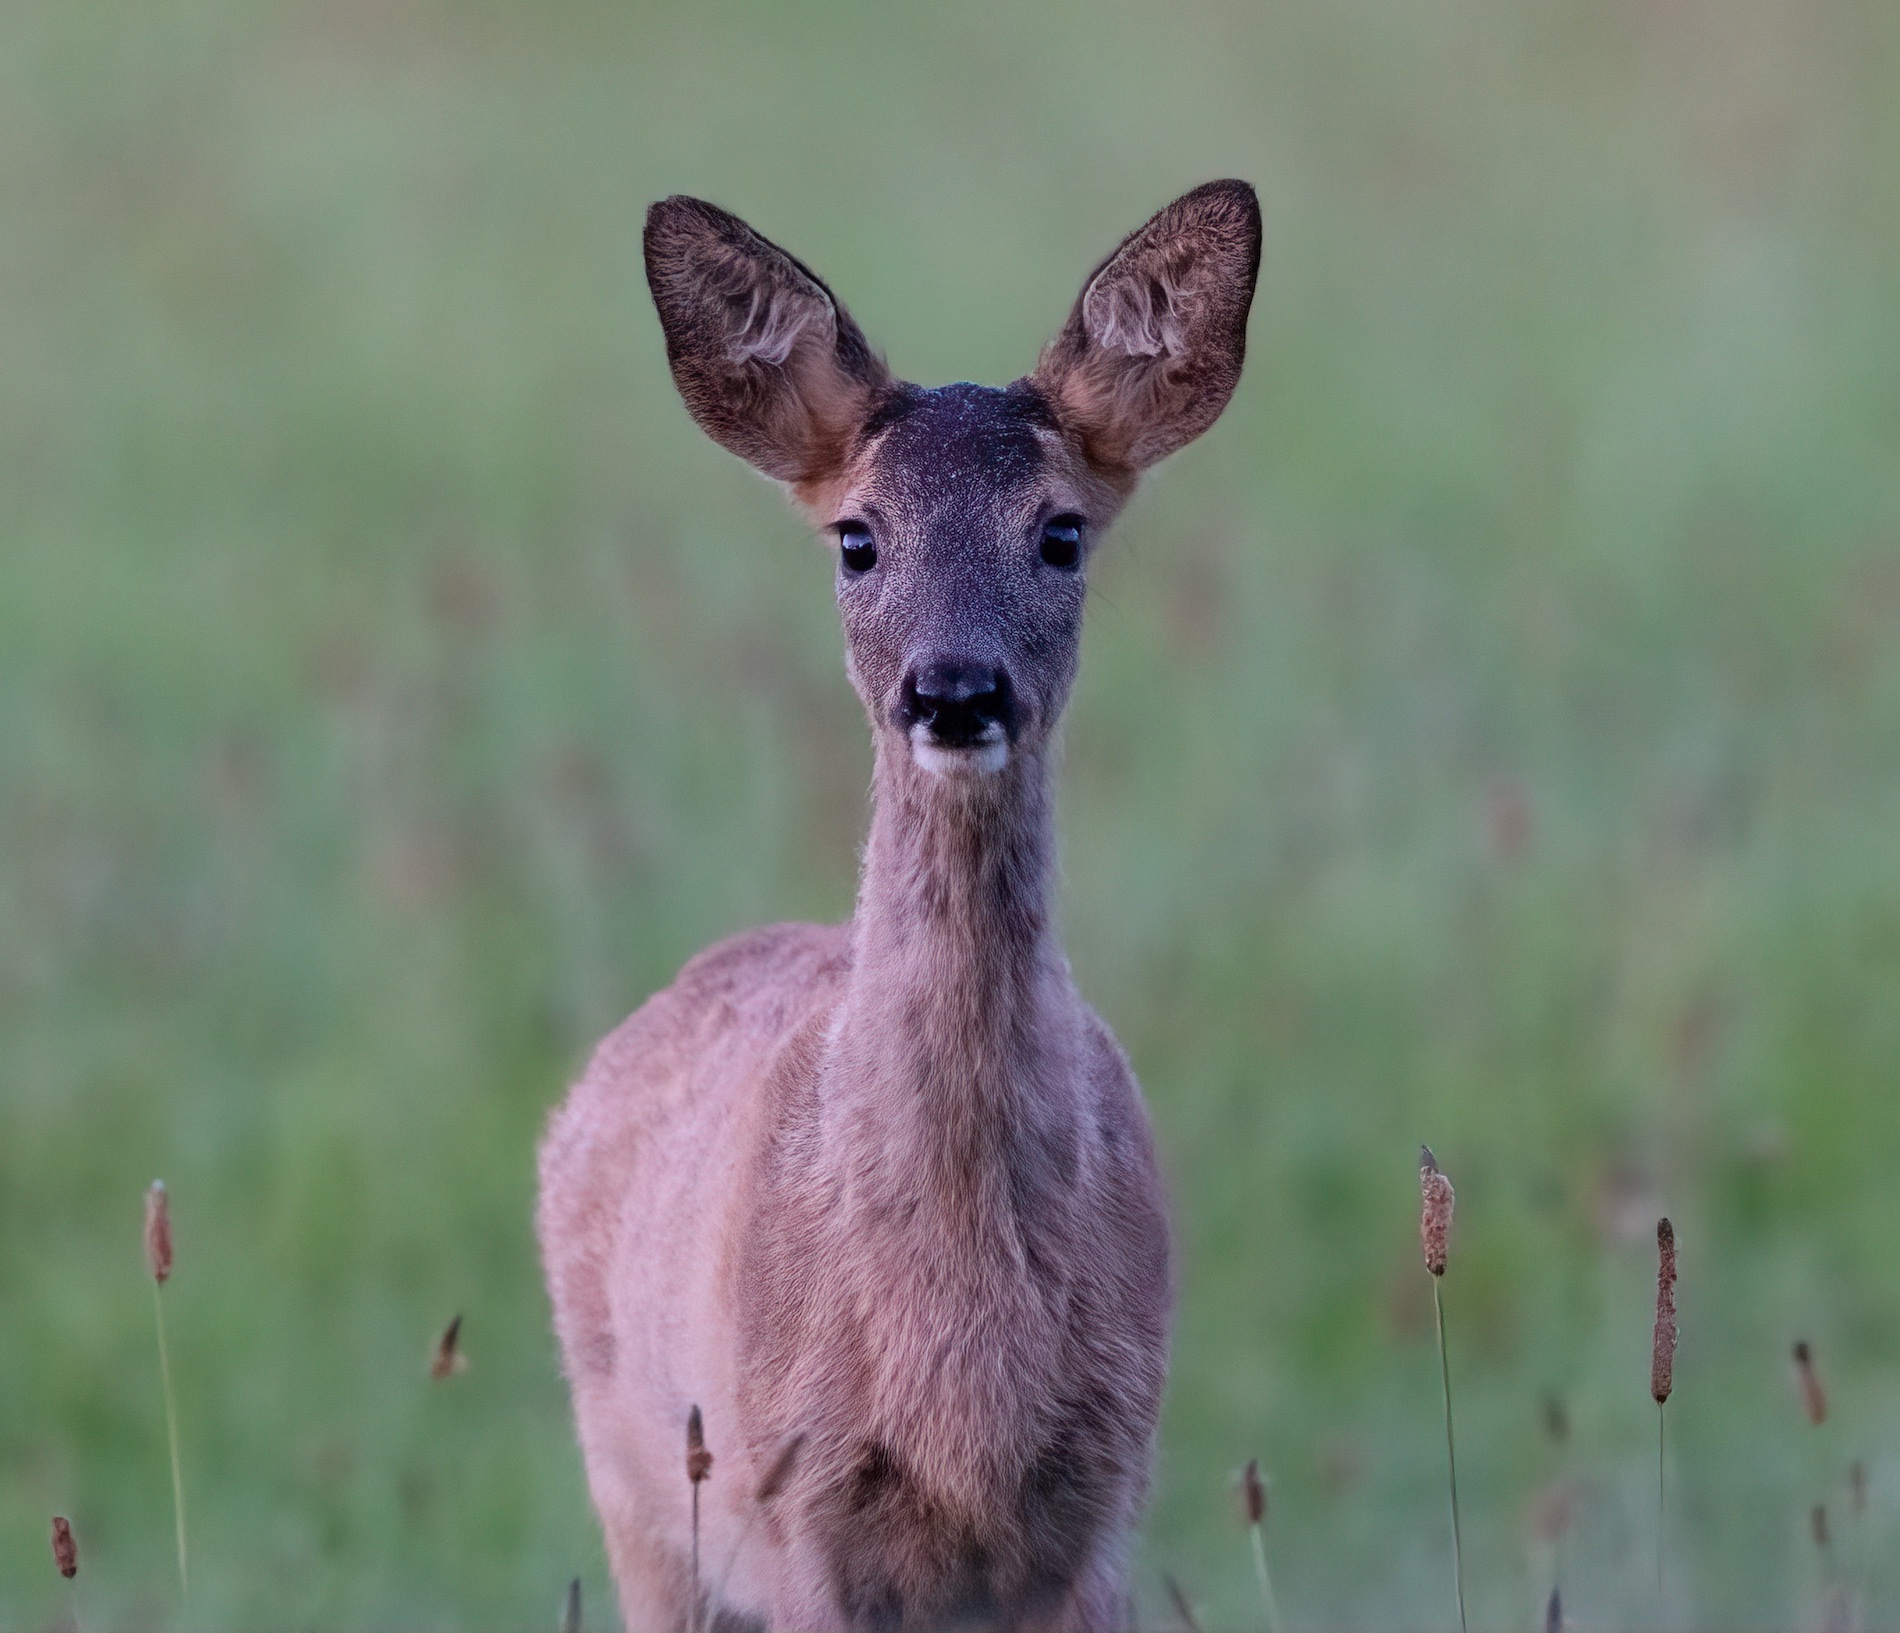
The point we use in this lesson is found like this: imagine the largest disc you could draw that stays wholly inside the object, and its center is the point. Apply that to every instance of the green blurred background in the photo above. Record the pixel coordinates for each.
(1489, 734)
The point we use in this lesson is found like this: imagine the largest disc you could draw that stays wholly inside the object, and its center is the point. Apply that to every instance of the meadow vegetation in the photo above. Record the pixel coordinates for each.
(1489, 735)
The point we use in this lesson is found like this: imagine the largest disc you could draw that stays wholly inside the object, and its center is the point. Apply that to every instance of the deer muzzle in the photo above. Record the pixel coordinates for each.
(959, 715)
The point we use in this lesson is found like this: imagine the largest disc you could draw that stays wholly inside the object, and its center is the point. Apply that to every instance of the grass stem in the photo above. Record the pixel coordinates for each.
(692, 1618)
(699, 1463)
(1662, 1508)
(1662, 1379)
(1266, 1581)
(1451, 1461)
(171, 1435)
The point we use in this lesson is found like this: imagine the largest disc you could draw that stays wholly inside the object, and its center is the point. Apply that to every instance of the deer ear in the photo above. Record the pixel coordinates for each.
(1152, 351)
(769, 363)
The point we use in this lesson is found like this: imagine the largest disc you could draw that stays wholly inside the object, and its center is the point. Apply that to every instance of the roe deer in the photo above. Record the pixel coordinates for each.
(889, 1186)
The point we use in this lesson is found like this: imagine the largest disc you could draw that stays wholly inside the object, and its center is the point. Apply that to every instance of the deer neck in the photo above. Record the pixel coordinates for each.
(949, 1034)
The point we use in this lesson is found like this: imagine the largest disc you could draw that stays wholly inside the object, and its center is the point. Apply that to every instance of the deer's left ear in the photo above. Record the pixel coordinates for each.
(1152, 351)
(769, 362)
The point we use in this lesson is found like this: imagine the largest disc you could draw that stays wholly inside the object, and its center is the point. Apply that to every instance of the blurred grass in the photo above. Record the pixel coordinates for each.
(1489, 735)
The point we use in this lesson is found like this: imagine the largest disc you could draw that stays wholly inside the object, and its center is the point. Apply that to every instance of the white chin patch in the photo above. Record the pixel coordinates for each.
(980, 759)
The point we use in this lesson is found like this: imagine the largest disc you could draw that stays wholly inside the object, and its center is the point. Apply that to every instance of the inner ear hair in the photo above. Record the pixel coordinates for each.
(768, 361)
(1153, 348)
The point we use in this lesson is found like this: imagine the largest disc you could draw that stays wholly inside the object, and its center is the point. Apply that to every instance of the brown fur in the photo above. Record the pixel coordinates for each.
(889, 1186)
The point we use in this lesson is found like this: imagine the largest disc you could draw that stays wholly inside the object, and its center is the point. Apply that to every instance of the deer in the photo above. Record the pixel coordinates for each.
(882, 1198)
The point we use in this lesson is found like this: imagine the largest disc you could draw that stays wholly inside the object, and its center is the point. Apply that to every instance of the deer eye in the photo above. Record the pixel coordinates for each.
(1062, 541)
(854, 544)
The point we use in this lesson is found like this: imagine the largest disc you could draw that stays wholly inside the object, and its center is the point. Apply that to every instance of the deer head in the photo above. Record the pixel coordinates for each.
(964, 515)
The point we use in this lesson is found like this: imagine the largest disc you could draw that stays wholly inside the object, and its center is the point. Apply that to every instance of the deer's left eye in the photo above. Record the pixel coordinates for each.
(1062, 541)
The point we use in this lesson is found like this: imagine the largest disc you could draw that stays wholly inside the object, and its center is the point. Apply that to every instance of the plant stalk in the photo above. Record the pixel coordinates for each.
(171, 1435)
(1266, 1581)
(1451, 1461)
(692, 1617)
(1662, 1421)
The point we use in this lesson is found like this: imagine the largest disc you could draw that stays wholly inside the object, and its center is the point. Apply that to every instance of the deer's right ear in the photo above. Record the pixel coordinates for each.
(769, 363)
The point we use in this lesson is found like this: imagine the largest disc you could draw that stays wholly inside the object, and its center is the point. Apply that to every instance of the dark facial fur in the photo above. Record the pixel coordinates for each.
(962, 636)
(955, 487)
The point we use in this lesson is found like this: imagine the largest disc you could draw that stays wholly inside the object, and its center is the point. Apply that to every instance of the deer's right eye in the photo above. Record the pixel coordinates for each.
(854, 544)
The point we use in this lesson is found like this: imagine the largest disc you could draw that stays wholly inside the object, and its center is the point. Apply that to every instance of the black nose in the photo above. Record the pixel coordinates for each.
(958, 700)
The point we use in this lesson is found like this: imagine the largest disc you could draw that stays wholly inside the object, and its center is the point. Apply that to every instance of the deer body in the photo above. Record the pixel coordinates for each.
(887, 1190)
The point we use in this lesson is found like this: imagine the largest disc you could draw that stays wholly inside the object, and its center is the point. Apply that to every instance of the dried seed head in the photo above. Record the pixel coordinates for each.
(158, 1231)
(1817, 1522)
(1254, 1490)
(1857, 1486)
(1813, 1396)
(1434, 1225)
(449, 1359)
(1182, 1609)
(698, 1460)
(65, 1550)
(1554, 1614)
(1662, 1354)
(781, 1469)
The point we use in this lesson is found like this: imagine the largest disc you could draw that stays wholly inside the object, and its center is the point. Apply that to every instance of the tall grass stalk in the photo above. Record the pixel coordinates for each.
(1434, 1232)
(1662, 1491)
(1256, 1494)
(699, 1464)
(1662, 1377)
(1857, 1507)
(158, 1258)
(1266, 1582)
(1451, 1463)
(171, 1436)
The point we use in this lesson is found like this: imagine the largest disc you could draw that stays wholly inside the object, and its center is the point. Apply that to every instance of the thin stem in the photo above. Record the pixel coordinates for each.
(1451, 1460)
(171, 1434)
(1863, 1570)
(1266, 1582)
(1662, 1420)
(692, 1616)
